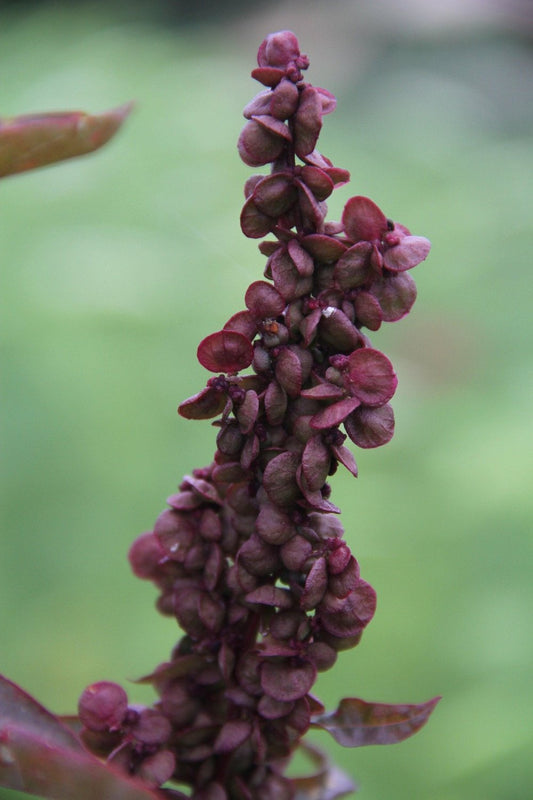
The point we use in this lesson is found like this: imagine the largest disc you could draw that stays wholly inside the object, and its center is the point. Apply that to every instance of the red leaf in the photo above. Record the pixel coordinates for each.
(225, 351)
(356, 723)
(60, 773)
(43, 757)
(35, 140)
(20, 709)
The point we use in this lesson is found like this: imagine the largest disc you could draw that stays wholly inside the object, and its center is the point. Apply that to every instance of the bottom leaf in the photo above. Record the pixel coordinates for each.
(41, 754)
(27, 764)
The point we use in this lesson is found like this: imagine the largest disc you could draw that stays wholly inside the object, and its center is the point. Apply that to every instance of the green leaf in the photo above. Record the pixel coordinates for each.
(35, 140)
(356, 723)
(40, 755)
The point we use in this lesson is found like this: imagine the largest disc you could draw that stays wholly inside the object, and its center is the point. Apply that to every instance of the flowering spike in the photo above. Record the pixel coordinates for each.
(249, 557)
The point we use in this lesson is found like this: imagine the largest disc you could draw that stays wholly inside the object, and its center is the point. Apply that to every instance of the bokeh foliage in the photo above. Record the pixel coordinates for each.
(115, 266)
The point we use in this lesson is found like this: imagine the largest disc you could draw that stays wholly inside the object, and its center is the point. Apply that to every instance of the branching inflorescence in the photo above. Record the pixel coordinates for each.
(250, 557)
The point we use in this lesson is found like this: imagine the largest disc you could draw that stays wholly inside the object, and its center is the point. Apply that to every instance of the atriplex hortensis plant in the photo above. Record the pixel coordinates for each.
(250, 557)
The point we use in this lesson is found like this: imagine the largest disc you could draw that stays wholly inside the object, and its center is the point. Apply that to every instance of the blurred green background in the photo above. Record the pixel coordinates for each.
(116, 265)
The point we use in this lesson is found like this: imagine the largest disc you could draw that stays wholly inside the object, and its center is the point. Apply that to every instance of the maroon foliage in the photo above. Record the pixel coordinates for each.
(356, 723)
(39, 754)
(36, 140)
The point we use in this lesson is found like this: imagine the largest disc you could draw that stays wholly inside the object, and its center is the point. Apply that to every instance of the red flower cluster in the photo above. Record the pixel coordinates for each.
(250, 557)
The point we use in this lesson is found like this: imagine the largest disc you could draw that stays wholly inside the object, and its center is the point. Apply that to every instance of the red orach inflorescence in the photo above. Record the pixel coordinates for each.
(249, 557)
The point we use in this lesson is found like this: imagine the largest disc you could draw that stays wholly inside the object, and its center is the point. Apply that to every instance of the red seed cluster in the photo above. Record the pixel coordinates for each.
(249, 557)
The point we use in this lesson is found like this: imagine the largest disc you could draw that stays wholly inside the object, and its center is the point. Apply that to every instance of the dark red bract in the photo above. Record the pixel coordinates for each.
(225, 351)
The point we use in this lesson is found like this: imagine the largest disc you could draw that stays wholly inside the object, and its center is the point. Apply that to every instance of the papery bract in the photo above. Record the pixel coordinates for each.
(370, 427)
(410, 251)
(225, 351)
(371, 377)
(363, 220)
